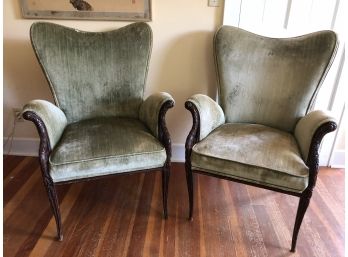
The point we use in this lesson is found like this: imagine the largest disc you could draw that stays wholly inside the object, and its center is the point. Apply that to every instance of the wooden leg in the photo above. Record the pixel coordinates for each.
(52, 196)
(302, 208)
(165, 183)
(44, 152)
(189, 180)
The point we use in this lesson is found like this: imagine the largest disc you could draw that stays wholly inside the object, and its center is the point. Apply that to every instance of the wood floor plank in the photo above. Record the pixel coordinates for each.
(125, 199)
(153, 229)
(17, 169)
(109, 212)
(282, 232)
(24, 191)
(48, 235)
(202, 248)
(234, 225)
(136, 232)
(327, 229)
(18, 177)
(287, 206)
(122, 216)
(10, 162)
(216, 223)
(326, 199)
(23, 221)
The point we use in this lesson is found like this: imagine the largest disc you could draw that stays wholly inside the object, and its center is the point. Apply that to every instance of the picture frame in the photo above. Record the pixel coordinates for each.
(113, 10)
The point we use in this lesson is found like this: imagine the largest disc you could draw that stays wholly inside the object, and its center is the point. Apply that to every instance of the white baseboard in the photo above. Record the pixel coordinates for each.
(22, 146)
(178, 153)
(323, 159)
(338, 159)
(30, 147)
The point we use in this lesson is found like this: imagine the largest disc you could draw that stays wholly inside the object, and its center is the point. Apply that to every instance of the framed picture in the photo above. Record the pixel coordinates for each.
(124, 10)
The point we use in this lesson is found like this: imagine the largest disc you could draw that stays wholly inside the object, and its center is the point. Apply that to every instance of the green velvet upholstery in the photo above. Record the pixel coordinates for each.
(104, 146)
(264, 133)
(259, 131)
(210, 113)
(101, 124)
(150, 108)
(94, 74)
(53, 118)
(306, 128)
(253, 153)
(270, 81)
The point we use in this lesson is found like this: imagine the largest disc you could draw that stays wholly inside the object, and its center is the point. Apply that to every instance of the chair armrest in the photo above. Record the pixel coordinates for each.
(150, 111)
(314, 123)
(210, 114)
(52, 117)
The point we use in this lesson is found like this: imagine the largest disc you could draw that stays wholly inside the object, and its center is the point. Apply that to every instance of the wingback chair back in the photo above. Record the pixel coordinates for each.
(270, 81)
(262, 132)
(100, 125)
(103, 73)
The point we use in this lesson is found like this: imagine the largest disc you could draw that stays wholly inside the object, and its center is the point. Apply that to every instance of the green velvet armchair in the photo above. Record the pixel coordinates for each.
(262, 132)
(100, 124)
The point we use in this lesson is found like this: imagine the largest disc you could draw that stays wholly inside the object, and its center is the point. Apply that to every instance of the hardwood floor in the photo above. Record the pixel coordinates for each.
(121, 216)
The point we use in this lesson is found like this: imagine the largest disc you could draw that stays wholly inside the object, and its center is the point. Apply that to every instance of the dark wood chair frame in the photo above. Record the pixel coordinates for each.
(45, 151)
(312, 162)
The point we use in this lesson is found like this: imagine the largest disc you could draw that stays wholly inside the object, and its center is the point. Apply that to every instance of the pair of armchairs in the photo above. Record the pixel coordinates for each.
(260, 133)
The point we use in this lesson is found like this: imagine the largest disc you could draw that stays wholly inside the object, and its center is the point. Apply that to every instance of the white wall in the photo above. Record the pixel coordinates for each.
(181, 63)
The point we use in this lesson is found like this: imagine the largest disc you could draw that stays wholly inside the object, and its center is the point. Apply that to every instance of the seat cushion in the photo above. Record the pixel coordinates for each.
(104, 146)
(253, 153)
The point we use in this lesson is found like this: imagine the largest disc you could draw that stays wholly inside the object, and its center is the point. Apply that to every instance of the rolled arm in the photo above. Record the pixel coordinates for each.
(52, 117)
(151, 109)
(210, 114)
(310, 125)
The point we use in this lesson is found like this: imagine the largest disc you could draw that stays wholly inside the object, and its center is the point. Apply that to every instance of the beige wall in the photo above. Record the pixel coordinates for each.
(181, 63)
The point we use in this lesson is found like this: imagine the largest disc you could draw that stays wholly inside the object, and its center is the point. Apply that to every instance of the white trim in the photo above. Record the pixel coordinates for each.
(22, 146)
(287, 14)
(338, 159)
(178, 153)
(337, 132)
(30, 147)
(232, 12)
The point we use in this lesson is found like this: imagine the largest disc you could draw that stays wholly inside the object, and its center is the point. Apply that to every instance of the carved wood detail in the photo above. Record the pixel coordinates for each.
(312, 163)
(164, 138)
(45, 150)
(44, 153)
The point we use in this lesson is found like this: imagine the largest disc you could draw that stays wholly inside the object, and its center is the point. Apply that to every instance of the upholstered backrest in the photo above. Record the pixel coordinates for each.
(270, 81)
(94, 73)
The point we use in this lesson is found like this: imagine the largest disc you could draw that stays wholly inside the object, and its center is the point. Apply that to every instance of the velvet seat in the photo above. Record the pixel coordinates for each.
(100, 124)
(104, 146)
(254, 153)
(262, 130)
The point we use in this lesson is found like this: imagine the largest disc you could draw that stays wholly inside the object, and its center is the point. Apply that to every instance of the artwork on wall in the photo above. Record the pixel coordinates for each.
(126, 10)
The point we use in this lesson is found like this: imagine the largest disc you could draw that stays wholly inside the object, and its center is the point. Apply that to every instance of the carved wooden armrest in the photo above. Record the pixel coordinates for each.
(206, 114)
(46, 114)
(309, 133)
(153, 112)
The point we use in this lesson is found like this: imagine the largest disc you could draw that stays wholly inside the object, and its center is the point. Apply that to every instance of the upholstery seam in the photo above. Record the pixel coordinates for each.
(245, 179)
(113, 173)
(106, 157)
(253, 165)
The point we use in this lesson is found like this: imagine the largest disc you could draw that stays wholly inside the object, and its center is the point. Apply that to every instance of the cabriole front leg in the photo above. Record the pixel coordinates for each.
(189, 181)
(52, 196)
(301, 210)
(164, 138)
(44, 152)
(191, 140)
(165, 182)
(313, 164)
